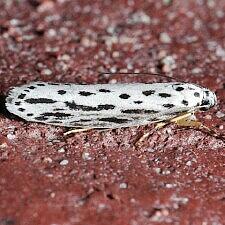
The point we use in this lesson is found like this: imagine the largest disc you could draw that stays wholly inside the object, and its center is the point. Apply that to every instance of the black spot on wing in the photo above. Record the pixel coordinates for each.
(89, 114)
(137, 102)
(149, 92)
(55, 84)
(55, 122)
(104, 90)
(40, 100)
(105, 107)
(164, 95)
(30, 114)
(179, 88)
(184, 102)
(17, 103)
(27, 90)
(86, 93)
(114, 120)
(168, 105)
(73, 106)
(21, 96)
(40, 84)
(84, 120)
(41, 118)
(21, 109)
(133, 111)
(61, 92)
(31, 87)
(56, 114)
(124, 96)
(139, 111)
(151, 111)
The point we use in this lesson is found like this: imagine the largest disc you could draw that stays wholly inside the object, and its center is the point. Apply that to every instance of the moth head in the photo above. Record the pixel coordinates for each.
(208, 100)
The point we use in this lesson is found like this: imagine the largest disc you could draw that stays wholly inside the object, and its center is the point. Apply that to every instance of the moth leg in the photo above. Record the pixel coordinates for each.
(192, 122)
(74, 131)
(181, 120)
(143, 137)
(189, 123)
(160, 125)
(103, 129)
(189, 120)
(146, 135)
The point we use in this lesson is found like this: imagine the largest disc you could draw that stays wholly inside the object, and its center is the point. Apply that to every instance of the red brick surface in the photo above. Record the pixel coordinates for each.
(175, 176)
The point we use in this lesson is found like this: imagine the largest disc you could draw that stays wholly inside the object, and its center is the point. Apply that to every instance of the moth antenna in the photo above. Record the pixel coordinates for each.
(138, 73)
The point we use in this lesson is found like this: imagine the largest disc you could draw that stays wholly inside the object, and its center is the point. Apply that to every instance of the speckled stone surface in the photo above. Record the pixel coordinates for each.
(174, 176)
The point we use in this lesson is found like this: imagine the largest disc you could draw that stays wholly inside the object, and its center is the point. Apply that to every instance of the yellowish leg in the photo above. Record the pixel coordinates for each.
(74, 131)
(182, 117)
(160, 125)
(187, 120)
(143, 137)
(188, 123)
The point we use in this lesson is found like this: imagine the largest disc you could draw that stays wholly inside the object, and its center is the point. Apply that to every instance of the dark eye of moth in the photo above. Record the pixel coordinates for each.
(196, 94)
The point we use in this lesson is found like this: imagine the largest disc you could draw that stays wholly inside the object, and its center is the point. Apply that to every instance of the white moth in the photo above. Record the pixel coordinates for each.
(106, 105)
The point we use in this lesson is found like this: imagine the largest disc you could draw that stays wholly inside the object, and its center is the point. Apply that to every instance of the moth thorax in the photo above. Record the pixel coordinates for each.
(209, 100)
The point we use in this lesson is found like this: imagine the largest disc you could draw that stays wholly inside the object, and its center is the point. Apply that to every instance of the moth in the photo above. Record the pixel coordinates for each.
(107, 105)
